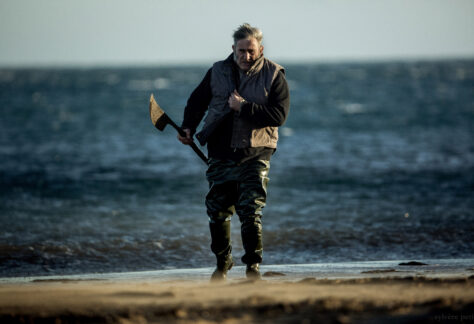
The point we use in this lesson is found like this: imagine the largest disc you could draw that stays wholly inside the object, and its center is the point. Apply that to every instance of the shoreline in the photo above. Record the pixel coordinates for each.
(363, 292)
(439, 268)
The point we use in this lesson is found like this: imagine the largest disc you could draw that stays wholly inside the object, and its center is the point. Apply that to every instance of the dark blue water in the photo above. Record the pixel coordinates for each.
(376, 162)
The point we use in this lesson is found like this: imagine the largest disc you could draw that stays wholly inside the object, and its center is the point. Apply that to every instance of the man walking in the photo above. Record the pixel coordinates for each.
(247, 98)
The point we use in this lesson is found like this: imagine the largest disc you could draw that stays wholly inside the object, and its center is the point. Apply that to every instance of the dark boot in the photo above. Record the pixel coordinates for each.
(221, 246)
(251, 231)
(220, 273)
(253, 271)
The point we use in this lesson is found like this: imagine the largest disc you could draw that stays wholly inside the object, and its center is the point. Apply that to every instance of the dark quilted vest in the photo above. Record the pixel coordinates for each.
(254, 87)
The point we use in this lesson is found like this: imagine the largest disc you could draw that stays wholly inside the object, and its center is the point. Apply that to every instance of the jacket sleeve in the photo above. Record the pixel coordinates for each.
(277, 109)
(197, 104)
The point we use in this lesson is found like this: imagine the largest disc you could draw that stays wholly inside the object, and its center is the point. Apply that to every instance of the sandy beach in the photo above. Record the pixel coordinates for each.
(372, 296)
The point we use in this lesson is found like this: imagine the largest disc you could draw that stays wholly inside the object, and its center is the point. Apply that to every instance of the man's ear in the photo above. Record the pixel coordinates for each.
(233, 48)
(261, 48)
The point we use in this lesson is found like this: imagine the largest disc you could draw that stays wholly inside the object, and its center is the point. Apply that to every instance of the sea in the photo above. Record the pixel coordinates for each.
(375, 162)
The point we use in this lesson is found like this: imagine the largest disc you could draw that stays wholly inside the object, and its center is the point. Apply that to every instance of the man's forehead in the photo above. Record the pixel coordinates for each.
(247, 43)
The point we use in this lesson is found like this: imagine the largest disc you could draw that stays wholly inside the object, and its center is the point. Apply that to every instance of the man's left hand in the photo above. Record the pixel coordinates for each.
(235, 101)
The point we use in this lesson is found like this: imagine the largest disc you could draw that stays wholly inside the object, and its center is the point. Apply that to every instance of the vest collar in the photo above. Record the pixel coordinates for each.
(256, 67)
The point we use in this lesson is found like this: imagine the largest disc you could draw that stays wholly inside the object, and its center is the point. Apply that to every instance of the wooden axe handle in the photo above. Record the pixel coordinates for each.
(160, 119)
(193, 145)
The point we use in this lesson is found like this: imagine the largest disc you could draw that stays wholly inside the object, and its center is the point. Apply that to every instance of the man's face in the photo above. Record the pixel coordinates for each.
(246, 52)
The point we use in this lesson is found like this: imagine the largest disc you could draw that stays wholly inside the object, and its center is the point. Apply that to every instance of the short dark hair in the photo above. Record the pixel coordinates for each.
(245, 31)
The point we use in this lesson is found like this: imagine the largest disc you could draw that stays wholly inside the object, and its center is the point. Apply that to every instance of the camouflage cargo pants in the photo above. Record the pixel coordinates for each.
(240, 188)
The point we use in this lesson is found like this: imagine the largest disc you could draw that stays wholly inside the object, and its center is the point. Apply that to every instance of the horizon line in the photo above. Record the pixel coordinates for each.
(196, 63)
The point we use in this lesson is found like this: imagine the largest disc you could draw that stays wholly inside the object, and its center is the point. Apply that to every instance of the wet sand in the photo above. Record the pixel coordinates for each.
(369, 297)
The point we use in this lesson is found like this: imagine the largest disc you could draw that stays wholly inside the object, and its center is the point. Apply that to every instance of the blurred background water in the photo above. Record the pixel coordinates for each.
(376, 162)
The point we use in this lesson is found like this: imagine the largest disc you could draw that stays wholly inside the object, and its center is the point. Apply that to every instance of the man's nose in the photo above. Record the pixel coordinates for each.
(247, 56)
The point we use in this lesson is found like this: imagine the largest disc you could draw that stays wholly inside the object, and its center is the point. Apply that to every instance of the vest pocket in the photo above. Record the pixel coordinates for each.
(267, 136)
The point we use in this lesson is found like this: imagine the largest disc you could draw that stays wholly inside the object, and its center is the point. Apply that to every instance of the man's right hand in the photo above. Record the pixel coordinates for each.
(186, 140)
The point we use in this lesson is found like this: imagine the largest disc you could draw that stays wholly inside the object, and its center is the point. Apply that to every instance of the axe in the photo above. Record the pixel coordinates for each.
(160, 119)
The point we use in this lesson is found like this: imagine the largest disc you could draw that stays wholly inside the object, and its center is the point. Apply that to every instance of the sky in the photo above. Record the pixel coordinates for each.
(143, 32)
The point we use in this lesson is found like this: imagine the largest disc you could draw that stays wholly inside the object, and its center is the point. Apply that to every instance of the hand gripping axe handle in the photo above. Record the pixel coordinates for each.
(160, 119)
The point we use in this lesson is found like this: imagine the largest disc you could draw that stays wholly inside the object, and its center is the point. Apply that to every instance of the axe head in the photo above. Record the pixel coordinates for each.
(157, 115)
